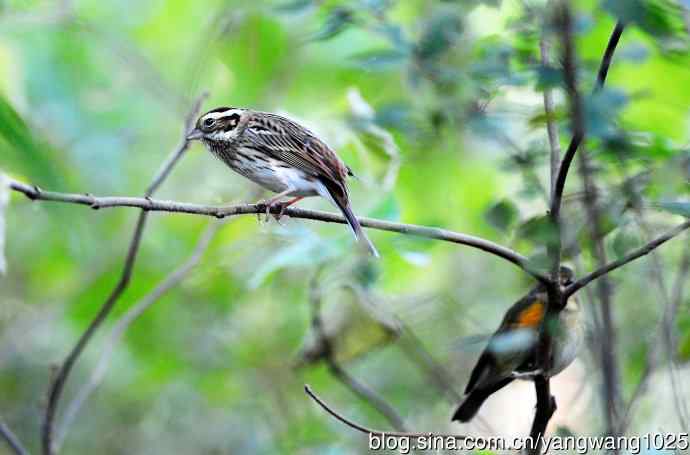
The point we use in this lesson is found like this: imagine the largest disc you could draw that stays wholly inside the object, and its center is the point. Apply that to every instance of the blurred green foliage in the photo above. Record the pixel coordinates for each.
(436, 106)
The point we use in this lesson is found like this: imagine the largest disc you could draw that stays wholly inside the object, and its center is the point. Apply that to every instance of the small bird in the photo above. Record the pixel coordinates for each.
(512, 350)
(280, 155)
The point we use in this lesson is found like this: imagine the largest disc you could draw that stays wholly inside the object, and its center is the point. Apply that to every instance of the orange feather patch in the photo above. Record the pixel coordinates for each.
(531, 316)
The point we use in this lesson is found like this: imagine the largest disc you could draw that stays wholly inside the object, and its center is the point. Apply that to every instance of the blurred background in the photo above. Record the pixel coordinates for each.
(438, 108)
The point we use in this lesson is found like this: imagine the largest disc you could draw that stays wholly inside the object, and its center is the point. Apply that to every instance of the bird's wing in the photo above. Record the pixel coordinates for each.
(285, 140)
(512, 344)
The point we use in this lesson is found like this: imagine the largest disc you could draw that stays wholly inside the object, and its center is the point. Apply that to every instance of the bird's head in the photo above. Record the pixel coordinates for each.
(566, 275)
(220, 124)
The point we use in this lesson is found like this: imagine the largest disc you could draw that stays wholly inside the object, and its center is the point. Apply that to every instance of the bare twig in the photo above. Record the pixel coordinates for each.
(63, 371)
(635, 254)
(367, 394)
(578, 135)
(551, 127)
(153, 205)
(608, 357)
(116, 334)
(651, 361)
(358, 388)
(365, 430)
(12, 440)
(668, 318)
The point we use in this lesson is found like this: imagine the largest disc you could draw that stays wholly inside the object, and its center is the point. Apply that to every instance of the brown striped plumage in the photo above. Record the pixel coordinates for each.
(280, 155)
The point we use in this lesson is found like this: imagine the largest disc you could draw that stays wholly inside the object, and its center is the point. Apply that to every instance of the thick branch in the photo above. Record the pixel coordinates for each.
(58, 383)
(12, 440)
(153, 205)
(546, 406)
(633, 255)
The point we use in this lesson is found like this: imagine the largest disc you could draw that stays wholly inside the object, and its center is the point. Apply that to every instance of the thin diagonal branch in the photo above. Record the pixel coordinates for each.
(633, 255)
(12, 440)
(668, 319)
(358, 388)
(58, 383)
(153, 205)
(118, 331)
(608, 351)
(366, 430)
(551, 127)
(578, 134)
(651, 361)
(366, 394)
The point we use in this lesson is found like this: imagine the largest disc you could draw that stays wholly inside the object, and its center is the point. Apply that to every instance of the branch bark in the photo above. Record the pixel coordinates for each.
(651, 360)
(633, 255)
(361, 428)
(551, 127)
(578, 134)
(12, 440)
(546, 403)
(58, 382)
(153, 205)
(608, 350)
(118, 331)
(358, 388)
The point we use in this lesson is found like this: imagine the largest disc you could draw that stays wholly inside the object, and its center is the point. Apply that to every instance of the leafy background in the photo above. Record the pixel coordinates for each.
(437, 107)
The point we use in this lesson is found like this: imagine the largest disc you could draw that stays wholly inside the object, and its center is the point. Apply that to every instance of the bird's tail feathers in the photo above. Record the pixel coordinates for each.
(470, 405)
(475, 398)
(344, 205)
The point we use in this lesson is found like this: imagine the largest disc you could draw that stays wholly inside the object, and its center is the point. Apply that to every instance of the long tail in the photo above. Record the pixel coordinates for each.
(474, 400)
(344, 206)
(470, 406)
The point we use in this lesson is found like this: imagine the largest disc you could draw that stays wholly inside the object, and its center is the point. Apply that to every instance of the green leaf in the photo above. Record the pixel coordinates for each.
(336, 22)
(681, 208)
(440, 33)
(30, 156)
(548, 77)
(4, 201)
(602, 109)
(538, 230)
(660, 18)
(502, 215)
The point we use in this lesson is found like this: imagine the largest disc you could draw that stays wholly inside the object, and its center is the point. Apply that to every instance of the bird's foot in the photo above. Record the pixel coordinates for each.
(282, 206)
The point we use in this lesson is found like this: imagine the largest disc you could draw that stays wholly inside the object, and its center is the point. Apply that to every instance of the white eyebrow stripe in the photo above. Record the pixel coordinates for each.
(222, 114)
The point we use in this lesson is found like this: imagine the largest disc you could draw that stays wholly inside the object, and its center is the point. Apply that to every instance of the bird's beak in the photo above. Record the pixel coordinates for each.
(195, 134)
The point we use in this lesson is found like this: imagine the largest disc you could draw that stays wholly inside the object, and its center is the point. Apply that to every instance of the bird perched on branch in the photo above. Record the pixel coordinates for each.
(512, 351)
(280, 155)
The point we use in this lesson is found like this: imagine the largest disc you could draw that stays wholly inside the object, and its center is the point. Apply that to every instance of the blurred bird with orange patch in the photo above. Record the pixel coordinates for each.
(512, 350)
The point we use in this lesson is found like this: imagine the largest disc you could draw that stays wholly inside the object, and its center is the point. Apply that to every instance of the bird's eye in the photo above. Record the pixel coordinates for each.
(208, 123)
